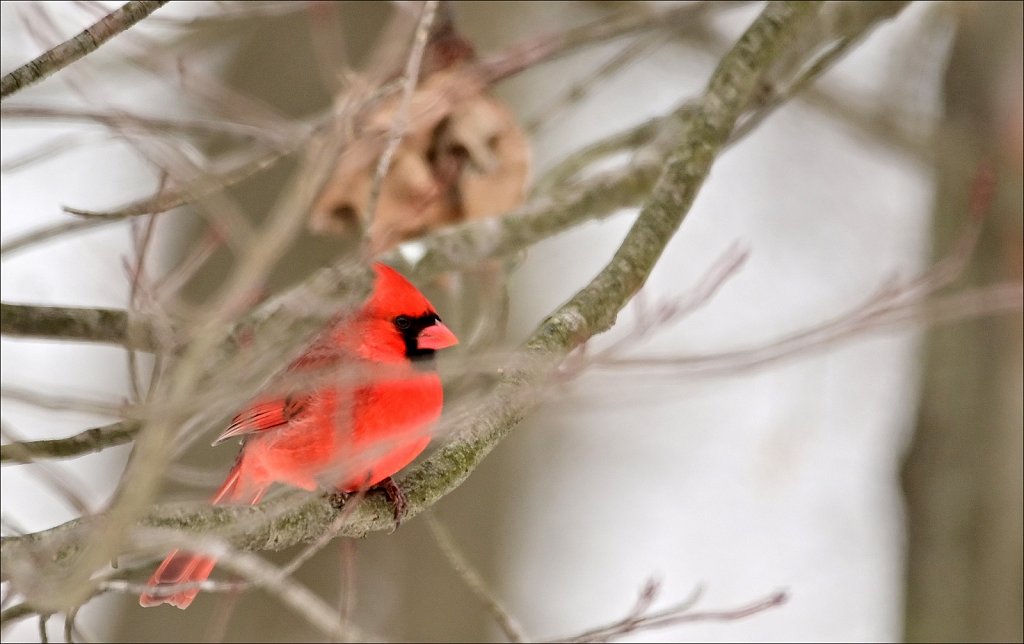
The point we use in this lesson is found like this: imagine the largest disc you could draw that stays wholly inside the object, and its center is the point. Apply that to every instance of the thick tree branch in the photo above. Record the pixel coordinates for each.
(71, 50)
(297, 517)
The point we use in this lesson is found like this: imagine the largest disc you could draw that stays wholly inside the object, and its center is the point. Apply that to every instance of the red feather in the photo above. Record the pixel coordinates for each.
(338, 434)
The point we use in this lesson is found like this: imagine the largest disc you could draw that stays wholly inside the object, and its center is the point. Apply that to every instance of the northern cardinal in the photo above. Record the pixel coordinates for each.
(341, 436)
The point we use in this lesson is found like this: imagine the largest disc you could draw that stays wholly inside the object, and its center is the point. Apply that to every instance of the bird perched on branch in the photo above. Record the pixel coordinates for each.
(346, 432)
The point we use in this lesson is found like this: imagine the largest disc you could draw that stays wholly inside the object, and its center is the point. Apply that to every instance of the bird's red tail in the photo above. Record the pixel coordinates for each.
(181, 567)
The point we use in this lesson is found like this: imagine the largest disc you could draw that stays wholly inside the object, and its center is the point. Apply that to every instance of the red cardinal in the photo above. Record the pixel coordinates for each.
(339, 436)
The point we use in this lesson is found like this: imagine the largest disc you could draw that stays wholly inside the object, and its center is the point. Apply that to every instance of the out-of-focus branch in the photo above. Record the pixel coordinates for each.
(628, 20)
(174, 198)
(446, 543)
(88, 441)
(143, 123)
(630, 139)
(400, 122)
(16, 612)
(297, 517)
(110, 326)
(45, 234)
(71, 50)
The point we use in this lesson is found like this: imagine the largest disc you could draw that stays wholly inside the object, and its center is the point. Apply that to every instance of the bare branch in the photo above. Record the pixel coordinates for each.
(48, 149)
(679, 614)
(82, 324)
(628, 20)
(579, 89)
(71, 50)
(33, 237)
(63, 484)
(146, 124)
(446, 543)
(16, 612)
(91, 440)
(228, 12)
(49, 400)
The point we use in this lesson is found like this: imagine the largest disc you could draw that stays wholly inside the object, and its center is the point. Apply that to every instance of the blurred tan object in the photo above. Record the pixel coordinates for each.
(963, 474)
(463, 156)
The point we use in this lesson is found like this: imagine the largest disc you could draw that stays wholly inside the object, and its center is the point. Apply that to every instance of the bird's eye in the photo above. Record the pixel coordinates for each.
(403, 322)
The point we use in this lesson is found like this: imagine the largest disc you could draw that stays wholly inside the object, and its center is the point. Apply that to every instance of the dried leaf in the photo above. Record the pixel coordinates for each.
(463, 156)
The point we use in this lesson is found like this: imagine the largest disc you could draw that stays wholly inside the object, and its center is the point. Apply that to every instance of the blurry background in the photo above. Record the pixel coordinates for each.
(877, 482)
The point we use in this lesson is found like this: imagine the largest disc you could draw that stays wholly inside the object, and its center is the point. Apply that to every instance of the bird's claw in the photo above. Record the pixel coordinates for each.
(396, 497)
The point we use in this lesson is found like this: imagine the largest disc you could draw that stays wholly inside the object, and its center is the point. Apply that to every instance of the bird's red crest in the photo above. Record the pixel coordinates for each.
(394, 295)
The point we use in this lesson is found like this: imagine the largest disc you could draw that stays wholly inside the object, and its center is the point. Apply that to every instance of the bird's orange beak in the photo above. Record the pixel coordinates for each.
(436, 336)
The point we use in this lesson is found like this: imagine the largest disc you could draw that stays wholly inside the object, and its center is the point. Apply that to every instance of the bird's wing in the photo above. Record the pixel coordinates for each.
(266, 414)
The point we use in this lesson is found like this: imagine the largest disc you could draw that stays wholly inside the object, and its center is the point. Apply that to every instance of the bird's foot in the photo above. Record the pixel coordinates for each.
(396, 497)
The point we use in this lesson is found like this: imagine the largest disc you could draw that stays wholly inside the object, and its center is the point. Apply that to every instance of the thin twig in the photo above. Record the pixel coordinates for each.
(170, 199)
(679, 614)
(71, 50)
(625, 21)
(146, 124)
(43, 637)
(72, 632)
(53, 147)
(228, 12)
(217, 627)
(91, 440)
(31, 238)
(572, 95)
(48, 400)
(400, 122)
(63, 483)
(446, 544)
(714, 278)
(142, 236)
(347, 592)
